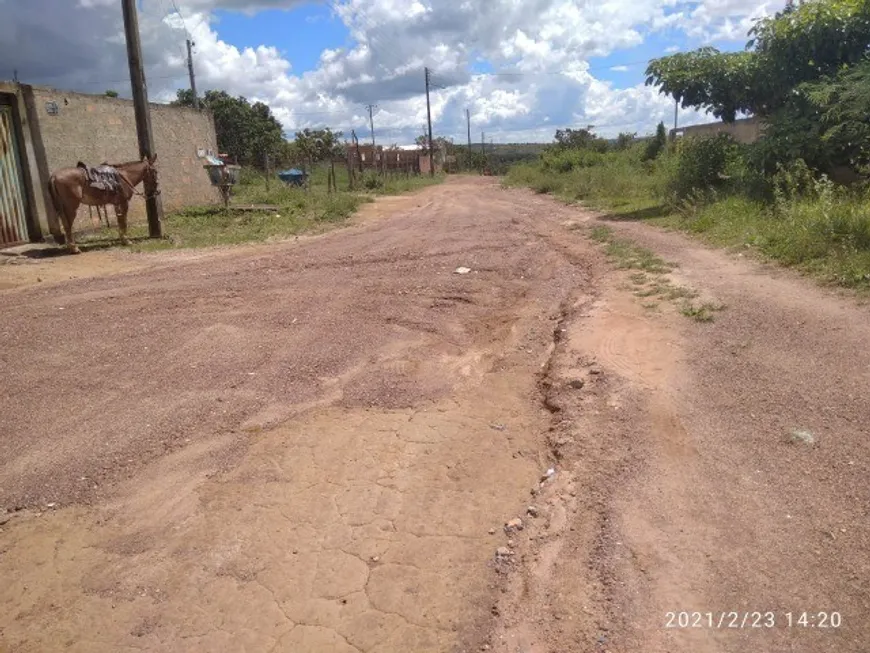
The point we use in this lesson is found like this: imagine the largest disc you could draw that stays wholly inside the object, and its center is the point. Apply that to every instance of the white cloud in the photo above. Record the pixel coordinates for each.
(619, 69)
(727, 20)
(80, 45)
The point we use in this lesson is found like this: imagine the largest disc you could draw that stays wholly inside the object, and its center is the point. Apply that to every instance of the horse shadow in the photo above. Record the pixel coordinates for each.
(91, 245)
(98, 244)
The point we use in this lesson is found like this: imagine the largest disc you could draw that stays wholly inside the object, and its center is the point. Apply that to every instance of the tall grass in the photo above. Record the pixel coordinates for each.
(614, 181)
(823, 230)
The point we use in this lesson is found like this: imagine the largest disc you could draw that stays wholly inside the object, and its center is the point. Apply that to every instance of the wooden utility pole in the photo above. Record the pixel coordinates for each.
(482, 146)
(192, 76)
(429, 118)
(468, 124)
(676, 113)
(153, 205)
(372, 107)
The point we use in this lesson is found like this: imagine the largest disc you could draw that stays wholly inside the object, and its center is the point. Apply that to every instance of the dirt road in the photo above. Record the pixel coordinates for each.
(315, 446)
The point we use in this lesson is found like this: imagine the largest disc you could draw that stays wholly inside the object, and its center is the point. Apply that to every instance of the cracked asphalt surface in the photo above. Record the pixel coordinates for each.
(316, 445)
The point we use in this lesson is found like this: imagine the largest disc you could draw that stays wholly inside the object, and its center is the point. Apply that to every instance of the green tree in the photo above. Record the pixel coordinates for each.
(842, 104)
(625, 140)
(582, 139)
(317, 145)
(804, 72)
(247, 132)
(574, 138)
(111, 93)
(802, 43)
(438, 142)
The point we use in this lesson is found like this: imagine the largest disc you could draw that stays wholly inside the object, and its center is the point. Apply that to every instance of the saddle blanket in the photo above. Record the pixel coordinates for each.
(103, 177)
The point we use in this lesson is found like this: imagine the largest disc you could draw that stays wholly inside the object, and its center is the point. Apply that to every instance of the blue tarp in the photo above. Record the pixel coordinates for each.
(292, 176)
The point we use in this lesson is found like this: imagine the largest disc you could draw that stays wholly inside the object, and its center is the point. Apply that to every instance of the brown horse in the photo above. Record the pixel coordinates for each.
(69, 188)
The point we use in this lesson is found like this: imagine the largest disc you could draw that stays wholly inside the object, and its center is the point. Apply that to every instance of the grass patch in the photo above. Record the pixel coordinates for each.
(296, 212)
(700, 313)
(629, 256)
(825, 233)
(651, 280)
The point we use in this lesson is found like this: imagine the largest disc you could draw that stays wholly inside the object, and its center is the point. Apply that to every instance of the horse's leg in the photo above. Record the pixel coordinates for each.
(68, 215)
(69, 201)
(121, 215)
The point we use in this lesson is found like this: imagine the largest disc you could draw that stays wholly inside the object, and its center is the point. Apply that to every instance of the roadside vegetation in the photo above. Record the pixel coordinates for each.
(291, 211)
(799, 195)
(264, 209)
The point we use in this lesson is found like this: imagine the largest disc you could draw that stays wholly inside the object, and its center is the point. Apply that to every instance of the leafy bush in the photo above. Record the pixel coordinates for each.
(656, 144)
(625, 140)
(562, 161)
(792, 182)
(372, 181)
(701, 165)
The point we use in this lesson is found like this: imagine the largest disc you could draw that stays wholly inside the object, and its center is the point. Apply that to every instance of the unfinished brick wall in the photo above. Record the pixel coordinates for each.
(94, 128)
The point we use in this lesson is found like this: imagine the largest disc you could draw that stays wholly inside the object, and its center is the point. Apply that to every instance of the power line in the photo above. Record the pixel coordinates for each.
(100, 82)
(177, 11)
(166, 14)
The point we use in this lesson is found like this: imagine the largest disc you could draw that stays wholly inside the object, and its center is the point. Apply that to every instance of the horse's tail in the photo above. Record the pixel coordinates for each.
(57, 203)
(55, 197)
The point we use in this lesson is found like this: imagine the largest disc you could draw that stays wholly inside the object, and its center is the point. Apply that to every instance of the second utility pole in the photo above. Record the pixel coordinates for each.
(468, 123)
(372, 107)
(429, 118)
(192, 77)
(153, 205)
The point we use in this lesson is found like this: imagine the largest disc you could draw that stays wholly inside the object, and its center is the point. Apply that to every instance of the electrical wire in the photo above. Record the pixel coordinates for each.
(166, 14)
(181, 16)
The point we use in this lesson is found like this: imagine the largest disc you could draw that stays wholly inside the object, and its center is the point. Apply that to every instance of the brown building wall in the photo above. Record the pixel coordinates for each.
(747, 130)
(93, 129)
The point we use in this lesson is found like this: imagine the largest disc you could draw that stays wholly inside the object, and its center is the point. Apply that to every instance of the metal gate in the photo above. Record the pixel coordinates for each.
(13, 221)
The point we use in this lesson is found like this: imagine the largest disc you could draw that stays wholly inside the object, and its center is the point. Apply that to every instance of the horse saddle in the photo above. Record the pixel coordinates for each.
(103, 177)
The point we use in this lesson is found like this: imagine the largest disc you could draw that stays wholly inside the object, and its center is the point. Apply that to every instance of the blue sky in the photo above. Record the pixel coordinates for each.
(318, 64)
(300, 34)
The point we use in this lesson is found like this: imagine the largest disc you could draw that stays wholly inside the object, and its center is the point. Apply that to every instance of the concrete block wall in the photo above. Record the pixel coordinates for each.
(747, 130)
(94, 128)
